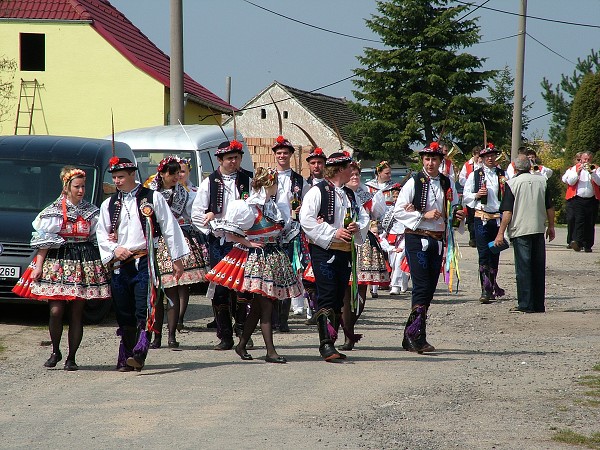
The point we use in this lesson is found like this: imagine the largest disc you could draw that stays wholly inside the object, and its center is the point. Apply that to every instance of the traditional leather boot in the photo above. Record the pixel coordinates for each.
(486, 285)
(224, 327)
(327, 336)
(415, 332)
(140, 351)
(284, 313)
(125, 347)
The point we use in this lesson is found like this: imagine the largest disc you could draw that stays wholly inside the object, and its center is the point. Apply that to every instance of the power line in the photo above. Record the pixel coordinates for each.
(498, 39)
(312, 26)
(549, 49)
(544, 19)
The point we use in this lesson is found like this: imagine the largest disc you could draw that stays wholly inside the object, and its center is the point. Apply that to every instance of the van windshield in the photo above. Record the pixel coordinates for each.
(148, 160)
(33, 185)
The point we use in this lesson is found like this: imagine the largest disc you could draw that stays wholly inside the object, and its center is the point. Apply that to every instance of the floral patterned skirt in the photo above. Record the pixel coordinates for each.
(371, 266)
(194, 263)
(72, 272)
(266, 271)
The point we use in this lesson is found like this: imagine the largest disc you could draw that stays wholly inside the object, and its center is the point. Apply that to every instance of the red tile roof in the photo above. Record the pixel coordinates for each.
(118, 31)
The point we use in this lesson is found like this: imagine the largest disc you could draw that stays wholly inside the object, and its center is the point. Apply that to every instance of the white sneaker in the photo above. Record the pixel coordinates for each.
(395, 290)
(298, 312)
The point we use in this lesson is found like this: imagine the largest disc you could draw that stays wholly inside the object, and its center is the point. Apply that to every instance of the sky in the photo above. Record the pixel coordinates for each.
(255, 47)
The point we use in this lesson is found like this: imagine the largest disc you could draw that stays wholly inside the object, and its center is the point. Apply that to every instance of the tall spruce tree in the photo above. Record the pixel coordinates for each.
(559, 98)
(421, 86)
(583, 130)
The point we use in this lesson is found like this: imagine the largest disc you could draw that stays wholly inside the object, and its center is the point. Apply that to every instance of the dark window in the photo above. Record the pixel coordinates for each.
(33, 52)
(285, 114)
(263, 113)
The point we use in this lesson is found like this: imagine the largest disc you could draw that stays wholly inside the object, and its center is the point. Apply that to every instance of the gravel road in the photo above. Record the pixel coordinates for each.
(499, 380)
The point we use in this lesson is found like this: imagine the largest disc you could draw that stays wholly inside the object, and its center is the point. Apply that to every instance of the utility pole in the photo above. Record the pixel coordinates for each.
(176, 75)
(519, 73)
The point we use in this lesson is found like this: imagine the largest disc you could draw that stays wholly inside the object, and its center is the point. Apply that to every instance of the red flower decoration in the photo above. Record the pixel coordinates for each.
(235, 145)
(318, 151)
(345, 152)
(280, 139)
(449, 195)
(490, 145)
(113, 161)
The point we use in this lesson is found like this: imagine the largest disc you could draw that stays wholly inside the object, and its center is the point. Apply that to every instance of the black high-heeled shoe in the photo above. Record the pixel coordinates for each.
(278, 360)
(157, 342)
(53, 360)
(173, 343)
(70, 365)
(242, 353)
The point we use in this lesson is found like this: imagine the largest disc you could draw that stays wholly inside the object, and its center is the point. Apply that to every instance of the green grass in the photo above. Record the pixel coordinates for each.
(570, 437)
(2, 347)
(591, 399)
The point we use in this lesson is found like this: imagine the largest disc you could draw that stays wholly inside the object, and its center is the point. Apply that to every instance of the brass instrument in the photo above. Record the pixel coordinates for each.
(453, 151)
(589, 167)
(501, 159)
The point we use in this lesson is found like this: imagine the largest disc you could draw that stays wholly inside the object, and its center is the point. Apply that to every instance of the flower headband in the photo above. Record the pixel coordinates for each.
(186, 161)
(167, 160)
(73, 173)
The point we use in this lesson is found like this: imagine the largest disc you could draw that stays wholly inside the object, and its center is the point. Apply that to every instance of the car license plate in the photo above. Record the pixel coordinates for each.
(10, 271)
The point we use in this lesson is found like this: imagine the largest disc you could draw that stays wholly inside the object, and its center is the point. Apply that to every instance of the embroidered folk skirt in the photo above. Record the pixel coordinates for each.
(266, 271)
(72, 272)
(371, 266)
(194, 263)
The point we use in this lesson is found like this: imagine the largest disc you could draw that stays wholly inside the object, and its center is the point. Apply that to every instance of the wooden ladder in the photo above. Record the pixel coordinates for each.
(26, 104)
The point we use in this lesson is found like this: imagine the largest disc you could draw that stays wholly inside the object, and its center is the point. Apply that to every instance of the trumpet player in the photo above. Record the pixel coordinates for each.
(536, 165)
(447, 167)
(569, 204)
(583, 193)
(483, 192)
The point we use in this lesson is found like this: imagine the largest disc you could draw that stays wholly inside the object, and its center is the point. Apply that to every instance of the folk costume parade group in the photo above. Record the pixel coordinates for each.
(269, 241)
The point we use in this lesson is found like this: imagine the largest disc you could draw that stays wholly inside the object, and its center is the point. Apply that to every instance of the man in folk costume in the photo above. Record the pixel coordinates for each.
(483, 192)
(289, 197)
(331, 218)
(447, 166)
(583, 194)
(569, 203)
(316, 163)
(425, 204)
(131, 221)
(511, 171)
(215, 193)
(468, 167)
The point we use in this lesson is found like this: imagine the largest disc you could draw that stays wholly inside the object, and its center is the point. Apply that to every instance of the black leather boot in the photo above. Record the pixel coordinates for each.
(415, 332)
(325, 317)
(284, 313)
(224, 327)
(140, 351)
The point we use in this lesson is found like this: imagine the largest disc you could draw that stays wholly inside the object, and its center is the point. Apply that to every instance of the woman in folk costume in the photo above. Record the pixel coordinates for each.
(371, 266)
(178, 198)
(383, 182)
(66, 268)
(425, 204)
(257, 265)
(186, 223)
(392, 241)
(483, 192)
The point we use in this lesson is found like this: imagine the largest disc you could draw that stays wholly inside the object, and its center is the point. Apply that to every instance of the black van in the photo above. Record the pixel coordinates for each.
(29, 181)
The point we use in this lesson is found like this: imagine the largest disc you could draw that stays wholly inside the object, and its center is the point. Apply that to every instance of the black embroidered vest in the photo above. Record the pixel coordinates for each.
(327, 211)
(143, 195)
(422, 189)
(478, 174)
(216, 189)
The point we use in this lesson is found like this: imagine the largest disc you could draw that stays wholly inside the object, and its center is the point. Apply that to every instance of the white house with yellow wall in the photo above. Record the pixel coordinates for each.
(76, 60)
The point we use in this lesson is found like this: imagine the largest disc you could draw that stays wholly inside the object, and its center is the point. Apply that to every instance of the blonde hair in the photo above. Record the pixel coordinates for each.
(264, 177)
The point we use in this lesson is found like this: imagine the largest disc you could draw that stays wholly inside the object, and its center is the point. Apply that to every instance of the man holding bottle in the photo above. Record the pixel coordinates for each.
(483, 192)
(322, 214)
